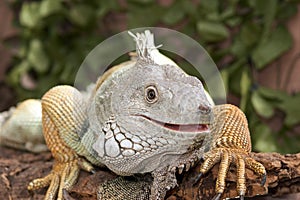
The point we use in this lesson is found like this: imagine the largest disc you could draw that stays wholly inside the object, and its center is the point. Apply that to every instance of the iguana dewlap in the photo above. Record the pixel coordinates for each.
(142, 117)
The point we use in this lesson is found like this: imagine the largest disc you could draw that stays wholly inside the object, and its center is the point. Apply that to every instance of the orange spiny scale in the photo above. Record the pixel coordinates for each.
(234, 131)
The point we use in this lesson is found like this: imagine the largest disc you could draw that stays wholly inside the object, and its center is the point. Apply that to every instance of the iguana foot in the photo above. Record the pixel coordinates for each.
(231, 143)
(62, 177)
(226, 157)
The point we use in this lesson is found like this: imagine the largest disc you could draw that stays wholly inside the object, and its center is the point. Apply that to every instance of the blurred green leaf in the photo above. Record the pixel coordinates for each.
(210, 6)
(189, 8)
(269, 8)
(238, 49)
(81, 14)
(272, 95)
(290, 106)
(289, 143)
(144, 16)
(265, 139)
(30, 14)
(174, 14)
(212, 31)
(261, 106)
(235, 73)
(233, 21)
(106, 7)
(266, 9)
(279, 42)
(49, 7)
(246, 40)
(37, 56)
(18, 70)
(285, 11)
(229, 12)
(245, 85)
(261, 7)
(249, 34)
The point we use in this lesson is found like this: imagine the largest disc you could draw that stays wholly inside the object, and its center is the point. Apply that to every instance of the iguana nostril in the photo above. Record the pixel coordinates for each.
(204, 109)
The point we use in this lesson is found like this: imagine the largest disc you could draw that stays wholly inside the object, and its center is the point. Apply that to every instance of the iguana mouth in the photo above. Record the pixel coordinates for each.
(181, 127)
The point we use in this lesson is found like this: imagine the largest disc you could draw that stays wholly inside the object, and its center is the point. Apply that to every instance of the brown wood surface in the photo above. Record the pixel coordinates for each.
(17, 168)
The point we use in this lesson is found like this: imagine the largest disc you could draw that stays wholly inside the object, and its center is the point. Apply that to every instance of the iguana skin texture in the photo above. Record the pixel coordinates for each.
(125, 188)
(142, 118)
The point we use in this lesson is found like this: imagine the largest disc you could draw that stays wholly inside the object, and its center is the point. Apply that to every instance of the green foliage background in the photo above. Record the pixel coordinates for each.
(56, 35)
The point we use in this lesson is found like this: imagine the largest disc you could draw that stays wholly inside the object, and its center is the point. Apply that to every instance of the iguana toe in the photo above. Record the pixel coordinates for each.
(257, 167)
(227, 157)
(62, 177)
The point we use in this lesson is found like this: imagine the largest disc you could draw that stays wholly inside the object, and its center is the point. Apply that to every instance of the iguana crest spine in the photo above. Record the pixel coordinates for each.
(144, 45)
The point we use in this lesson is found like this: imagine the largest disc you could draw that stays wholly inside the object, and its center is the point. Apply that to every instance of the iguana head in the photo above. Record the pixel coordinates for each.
(149, 115)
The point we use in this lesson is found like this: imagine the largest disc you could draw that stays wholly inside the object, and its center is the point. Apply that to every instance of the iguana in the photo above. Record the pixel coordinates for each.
(144, 117)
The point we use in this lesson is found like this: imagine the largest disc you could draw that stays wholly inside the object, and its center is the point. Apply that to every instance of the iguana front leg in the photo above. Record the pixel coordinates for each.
(62, 116)
(230, 143)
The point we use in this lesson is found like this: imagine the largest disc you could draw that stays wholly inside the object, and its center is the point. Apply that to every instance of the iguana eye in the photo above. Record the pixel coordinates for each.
(151, 94)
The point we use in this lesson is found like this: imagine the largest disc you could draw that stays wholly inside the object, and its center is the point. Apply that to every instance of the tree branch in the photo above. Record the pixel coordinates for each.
(17, 168)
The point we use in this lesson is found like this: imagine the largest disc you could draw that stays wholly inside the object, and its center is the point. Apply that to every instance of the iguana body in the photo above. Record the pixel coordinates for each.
(143, 117)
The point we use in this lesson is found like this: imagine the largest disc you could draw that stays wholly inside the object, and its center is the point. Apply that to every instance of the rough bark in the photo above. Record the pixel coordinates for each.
(17, 168)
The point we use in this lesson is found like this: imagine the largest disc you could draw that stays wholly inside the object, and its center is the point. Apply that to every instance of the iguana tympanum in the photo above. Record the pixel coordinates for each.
(143, 117)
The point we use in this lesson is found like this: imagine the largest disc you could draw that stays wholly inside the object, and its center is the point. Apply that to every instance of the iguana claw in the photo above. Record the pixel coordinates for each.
(197, 178)
(217, 196)
(263, 179)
